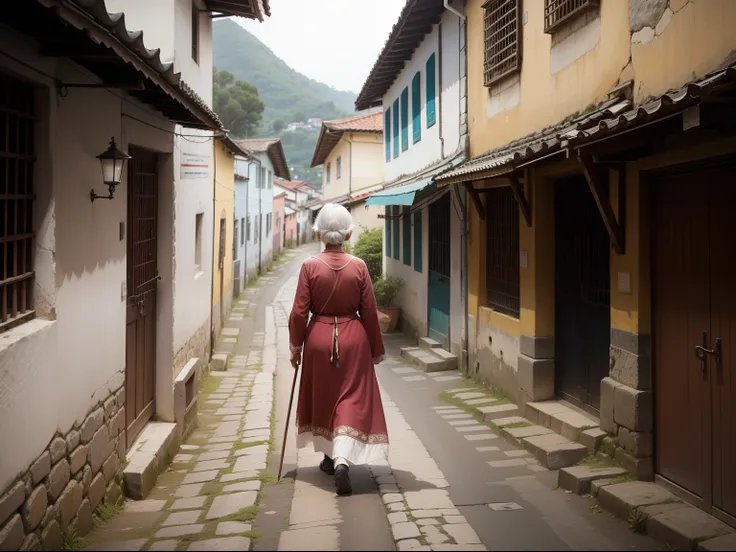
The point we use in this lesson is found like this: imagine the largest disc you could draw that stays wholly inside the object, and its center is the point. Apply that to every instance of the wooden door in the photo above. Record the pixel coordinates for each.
(722, 370)
(582, 294)
(680, 304)
(140, 341)
(439, 270)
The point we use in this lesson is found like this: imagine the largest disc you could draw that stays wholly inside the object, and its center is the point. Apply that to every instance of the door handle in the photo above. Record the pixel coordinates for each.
(702, 351)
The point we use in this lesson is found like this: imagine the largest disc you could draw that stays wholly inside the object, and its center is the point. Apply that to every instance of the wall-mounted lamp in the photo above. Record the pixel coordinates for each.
(112, 162)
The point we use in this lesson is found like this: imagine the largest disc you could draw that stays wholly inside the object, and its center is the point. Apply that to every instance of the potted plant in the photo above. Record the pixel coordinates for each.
(386, 289)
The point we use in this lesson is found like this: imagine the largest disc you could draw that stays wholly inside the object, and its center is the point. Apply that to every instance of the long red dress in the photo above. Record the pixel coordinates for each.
(339, 409)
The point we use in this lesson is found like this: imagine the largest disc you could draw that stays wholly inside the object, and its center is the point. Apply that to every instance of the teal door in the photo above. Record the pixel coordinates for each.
(439, 270)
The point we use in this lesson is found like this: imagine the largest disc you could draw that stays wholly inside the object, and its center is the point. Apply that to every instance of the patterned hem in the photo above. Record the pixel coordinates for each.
(346, 431)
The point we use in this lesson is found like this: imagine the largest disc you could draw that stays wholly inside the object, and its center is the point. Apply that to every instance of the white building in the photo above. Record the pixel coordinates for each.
(267, 160)
(92, 320)
(419, 80)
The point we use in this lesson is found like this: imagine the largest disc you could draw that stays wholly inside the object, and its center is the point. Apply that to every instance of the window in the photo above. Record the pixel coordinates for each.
(431, 93)
(397, 232)
(247, 228)
(558, 12)
(502, 251)
(387, 133)
(242, 231)
(16, 201)
(338, 168)
(502, 40)
(329, 168)
(236, 227)
(195, 31)
(221, 252)
(269, 180)
(406, 220)
(199, 219)
(416, 107)
(418, 241)
(269, 224)
(396, 128)
(405, 119)
(387, 223)
(262, 183)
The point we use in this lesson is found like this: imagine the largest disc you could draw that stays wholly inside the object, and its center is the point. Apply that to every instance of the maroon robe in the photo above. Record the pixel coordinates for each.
(339, 408)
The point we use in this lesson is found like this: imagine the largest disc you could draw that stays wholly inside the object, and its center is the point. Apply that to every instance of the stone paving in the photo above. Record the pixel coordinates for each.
(207, 499)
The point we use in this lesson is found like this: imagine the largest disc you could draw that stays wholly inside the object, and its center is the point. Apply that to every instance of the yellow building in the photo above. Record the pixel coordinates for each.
(224, 219)
(601, 260)
(351, 153)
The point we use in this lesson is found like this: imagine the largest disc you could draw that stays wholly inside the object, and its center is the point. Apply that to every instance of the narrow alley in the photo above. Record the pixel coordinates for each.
(450, 483)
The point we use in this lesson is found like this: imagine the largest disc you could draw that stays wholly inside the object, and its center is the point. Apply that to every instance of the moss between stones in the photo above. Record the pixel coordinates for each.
(516, 425)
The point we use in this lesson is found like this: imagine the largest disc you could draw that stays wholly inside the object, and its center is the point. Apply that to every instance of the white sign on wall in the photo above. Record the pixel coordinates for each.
(195, 165)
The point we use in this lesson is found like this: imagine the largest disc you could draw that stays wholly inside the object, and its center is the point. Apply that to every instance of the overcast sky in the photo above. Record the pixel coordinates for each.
(332, 41)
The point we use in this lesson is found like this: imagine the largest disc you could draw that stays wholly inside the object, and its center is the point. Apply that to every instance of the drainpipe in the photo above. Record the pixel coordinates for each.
(439, 77)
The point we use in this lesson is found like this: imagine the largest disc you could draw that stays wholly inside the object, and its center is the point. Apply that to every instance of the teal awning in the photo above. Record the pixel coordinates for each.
(400, 195)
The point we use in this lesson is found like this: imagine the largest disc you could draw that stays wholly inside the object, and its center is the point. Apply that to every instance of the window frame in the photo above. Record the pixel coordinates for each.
(553, 21)
(328, 169)
(503, 274)
(387, 133)
(396, 128)
(431, 90)
(338, 167)
(497, 15)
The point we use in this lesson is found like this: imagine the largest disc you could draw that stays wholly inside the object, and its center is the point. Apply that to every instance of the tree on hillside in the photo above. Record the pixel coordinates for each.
(236, 103)
(300, 117)
(278, 125)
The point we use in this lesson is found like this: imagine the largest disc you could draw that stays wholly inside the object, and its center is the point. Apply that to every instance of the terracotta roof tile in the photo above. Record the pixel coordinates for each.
(332, 131)
(272, 147)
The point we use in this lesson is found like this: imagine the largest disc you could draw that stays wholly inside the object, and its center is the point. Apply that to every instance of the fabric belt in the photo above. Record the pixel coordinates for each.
(335, 321)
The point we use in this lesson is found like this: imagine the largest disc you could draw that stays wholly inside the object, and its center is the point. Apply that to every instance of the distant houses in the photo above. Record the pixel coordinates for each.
(310, 124)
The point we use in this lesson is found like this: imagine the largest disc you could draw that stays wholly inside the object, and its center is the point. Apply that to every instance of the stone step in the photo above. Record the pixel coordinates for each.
(148, 457)
(579, 479)
(427, 343)
(496, 411)
(449, 358)
(425, 361)
(218, 362)
(564, 420)
(554, 451)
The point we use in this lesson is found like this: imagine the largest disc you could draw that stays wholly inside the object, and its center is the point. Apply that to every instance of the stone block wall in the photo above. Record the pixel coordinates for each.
(197, 346)
(68, 481)
(627, 411)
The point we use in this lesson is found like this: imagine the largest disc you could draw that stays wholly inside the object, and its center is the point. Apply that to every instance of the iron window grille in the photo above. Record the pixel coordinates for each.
(502, 251)
(502, 39)
(559, 12)
(16, 201)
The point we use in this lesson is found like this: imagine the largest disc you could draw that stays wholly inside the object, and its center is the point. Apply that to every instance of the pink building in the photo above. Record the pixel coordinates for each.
(290, 227)
(279, 222)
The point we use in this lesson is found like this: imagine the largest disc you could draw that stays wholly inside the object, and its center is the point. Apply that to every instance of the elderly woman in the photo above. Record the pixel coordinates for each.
(339, 410)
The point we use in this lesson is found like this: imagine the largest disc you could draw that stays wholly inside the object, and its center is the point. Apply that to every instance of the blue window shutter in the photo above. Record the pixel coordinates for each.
(397, 232)
(416, 107)
(405, 119)
(396, 128)
(407, 236)
(431, 93)
(388, 232)
(387, 133)
(418, 241)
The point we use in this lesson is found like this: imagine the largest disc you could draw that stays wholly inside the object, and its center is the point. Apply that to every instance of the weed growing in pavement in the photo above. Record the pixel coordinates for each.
(105, 512)
(71, 540)
(638, 521)
(516, 425)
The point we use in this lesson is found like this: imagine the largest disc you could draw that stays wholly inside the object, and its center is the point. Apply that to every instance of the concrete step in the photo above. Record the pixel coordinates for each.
(578, 479)
(427, 344)
(554, 451)
(564, 420)
(448, 357)
(149, 456)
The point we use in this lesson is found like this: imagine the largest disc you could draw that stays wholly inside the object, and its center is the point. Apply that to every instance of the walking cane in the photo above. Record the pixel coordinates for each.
(288, 418)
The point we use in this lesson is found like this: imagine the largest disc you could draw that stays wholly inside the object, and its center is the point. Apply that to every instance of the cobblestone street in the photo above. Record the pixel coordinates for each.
(450, 482)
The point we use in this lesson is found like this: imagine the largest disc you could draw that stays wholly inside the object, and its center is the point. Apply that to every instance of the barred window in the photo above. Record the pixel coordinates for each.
(502, 251)
(16, 201)
(558, 12)
(502, 39)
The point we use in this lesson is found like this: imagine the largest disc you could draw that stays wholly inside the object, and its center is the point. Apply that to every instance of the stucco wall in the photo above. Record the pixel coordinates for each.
(364, 218)
(241, 212)
(278, 222)
(429, 148)
(361, 168)
(71, 356)
(224, 209)
(260, 201)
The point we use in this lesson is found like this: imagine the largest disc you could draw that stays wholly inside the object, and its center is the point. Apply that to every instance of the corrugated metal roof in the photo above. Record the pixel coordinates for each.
(612, 117)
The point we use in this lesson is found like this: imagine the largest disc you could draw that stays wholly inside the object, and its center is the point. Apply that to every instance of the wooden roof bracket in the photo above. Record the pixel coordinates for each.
(519, 194)
(594, 175)
(477, 202)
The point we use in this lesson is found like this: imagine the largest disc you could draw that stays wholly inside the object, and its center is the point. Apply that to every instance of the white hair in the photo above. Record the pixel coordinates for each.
(333, 223)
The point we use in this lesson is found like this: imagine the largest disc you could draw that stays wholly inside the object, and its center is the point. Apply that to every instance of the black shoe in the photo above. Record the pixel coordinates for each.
(342, 480)
(327, 465)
